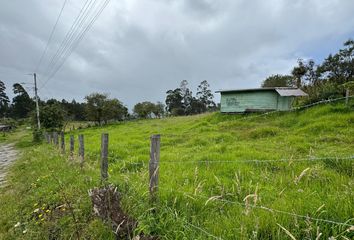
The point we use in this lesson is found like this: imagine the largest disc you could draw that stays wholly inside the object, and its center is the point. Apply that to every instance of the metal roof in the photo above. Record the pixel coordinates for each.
(246, 90)
(282, 91)
(291, 92)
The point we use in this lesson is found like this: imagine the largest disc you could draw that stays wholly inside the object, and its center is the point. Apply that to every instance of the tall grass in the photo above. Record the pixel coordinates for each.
(205, 182)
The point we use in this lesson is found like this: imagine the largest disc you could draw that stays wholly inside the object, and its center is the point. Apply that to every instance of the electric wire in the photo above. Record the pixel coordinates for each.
(50, 37)
(77, 41)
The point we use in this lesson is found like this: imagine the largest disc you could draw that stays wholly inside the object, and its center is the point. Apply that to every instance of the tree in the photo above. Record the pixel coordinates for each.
(144, 109)
(339, 68)
(205, 96)
(298, 72)
(187, 97)
(113, 109)
(100, 108)
(158, 109)
(4, 100)
(94, 106)
(278, 80)
(174, 102)
(197, 106)
(22, 104)
(52, 117)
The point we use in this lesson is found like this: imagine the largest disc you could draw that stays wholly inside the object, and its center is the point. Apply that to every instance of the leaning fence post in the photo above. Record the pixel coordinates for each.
(154, 166)
(104, 157)
(81, 149)
(62, 142)
(72, 145)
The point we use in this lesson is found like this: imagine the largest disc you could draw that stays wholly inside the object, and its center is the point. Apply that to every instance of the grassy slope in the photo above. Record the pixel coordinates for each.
(42, 178)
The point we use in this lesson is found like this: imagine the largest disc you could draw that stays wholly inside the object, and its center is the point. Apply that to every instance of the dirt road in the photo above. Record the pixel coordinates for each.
(7, 156)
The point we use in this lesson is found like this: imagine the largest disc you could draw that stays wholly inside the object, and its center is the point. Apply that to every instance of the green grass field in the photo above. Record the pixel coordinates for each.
(215, 179)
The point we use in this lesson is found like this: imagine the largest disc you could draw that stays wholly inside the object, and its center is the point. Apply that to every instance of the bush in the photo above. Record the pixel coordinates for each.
(37, 135)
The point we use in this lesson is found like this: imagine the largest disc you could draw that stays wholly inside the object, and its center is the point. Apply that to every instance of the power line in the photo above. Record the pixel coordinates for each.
(66, 41)
(50, 37)
(77, 41)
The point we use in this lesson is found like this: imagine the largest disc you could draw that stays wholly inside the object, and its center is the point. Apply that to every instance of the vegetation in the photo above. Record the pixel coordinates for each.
(278, 81)
(205, 182)
(4, 100)
(149, 109)
(180, 101)
(326, 80)
(100, 108)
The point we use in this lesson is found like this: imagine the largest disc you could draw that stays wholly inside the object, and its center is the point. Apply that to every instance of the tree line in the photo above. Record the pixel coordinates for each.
(329, 79)
(100, 108)
(179, 101)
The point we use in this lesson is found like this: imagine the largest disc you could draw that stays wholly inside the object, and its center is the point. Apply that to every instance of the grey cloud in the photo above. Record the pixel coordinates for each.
(139, 49)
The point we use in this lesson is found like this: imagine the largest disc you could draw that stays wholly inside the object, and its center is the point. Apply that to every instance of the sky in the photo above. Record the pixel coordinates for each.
(136, 50)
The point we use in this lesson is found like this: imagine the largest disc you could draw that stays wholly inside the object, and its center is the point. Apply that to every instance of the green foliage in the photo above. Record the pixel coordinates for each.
(4, 100)
(174, 104)
(205, 96)
(22, 104)
(278, 80)
(180, 101)
(100, 108)
(203, 177)
(51, 117)
(75, 111)
(146, 109)
(37, 135)
(326, 80)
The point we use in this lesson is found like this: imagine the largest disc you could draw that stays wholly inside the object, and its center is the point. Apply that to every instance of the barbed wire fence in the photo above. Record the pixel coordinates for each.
(154, 168)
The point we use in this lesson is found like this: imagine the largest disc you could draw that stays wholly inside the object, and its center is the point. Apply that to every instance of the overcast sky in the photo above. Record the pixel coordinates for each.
(138, 49)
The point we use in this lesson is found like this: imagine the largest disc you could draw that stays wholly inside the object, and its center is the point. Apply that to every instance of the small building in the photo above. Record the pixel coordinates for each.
(258, 99)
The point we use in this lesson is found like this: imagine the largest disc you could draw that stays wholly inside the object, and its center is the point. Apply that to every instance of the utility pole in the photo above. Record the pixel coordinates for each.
(36, 97)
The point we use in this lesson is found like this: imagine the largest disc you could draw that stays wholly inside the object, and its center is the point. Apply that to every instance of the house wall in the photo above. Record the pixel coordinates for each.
(284, 103)
(232, 102)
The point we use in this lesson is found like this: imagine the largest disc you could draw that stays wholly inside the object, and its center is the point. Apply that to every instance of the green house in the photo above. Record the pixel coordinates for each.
(258, 99)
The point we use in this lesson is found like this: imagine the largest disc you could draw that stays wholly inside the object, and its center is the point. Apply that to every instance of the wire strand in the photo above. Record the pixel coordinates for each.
(202, 230)
(78, 40)
(50, 37)
(270, 209)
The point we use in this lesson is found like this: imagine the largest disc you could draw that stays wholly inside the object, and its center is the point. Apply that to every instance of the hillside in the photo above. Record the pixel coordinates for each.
(221, 177)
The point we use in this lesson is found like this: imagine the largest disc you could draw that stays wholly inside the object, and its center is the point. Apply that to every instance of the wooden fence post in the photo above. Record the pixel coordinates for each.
(46, 136)
(51, 138)
(72, 145)
(104, 157)
(347, 96)
(62, 142)
(154, 166)
(56, 140)
(81, 149)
